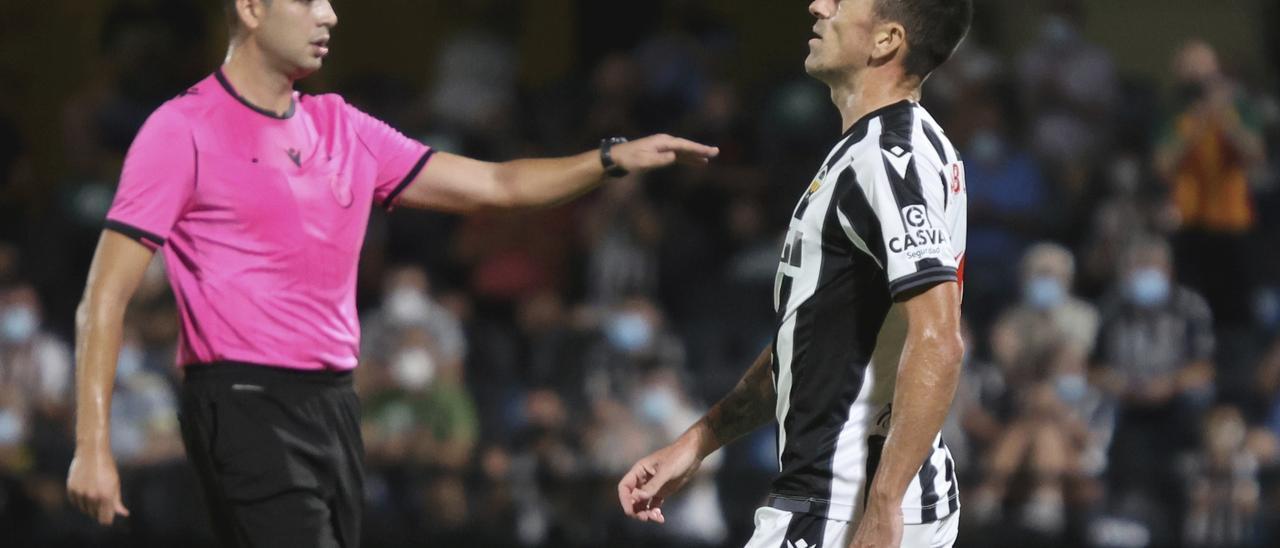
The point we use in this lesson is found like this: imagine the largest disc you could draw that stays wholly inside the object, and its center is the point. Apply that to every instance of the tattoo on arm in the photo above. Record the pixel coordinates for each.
(748, 406)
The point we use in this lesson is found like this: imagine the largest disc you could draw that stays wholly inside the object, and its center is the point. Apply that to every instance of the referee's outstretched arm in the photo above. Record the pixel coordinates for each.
(457, 183)
(93, 484)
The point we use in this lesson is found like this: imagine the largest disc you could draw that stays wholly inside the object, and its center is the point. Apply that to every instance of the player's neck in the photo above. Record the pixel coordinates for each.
(256, 80)
(863, 93)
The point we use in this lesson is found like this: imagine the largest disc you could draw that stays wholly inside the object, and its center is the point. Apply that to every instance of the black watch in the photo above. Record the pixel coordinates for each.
(611, 168)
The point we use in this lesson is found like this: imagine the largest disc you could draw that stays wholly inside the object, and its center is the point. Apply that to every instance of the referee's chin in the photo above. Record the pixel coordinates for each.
(306, 69)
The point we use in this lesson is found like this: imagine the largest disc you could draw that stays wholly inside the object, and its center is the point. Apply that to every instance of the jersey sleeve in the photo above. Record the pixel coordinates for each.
(398, 157)
(157, 182)
(905, 191)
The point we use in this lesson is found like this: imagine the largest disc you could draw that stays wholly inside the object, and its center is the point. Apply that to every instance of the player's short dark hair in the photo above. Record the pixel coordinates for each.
(934, 29)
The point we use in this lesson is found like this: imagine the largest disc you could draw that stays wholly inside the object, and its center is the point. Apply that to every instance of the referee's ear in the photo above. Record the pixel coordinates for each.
(890, 42)
(246, 14)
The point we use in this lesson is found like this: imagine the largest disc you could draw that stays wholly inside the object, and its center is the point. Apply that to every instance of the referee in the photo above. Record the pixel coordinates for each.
(259, 196)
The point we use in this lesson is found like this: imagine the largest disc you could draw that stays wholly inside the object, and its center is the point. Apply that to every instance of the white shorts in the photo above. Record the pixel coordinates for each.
(780, 529)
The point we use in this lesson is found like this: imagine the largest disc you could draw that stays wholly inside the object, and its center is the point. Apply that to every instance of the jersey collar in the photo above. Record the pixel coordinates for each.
(861, 124)
(222, 79)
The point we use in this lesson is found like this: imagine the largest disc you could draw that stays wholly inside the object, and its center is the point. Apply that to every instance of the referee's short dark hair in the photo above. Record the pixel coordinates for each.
(934, 29)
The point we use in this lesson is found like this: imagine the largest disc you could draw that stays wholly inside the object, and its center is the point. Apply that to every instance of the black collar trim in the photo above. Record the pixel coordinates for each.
(222, 79)
(866, 118)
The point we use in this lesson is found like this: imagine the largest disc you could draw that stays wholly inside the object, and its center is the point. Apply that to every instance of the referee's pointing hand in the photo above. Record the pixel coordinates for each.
(661, 150)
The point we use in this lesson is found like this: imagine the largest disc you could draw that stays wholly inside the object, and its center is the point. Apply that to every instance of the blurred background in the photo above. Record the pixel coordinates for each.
(1122, 384)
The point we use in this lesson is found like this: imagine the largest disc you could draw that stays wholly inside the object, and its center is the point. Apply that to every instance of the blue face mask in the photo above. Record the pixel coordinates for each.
(18, 324)
(628, 331)
(1044, 293)
(657, 404)
(1070, 388)
(1148, 287)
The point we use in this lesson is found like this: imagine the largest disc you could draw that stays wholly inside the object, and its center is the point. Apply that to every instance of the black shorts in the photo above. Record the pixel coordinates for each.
(278, 453)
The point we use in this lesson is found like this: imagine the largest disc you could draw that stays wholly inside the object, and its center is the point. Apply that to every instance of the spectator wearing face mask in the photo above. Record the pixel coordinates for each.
(1006, 212)
(632, 335)
(35, 385)
(426, 414)
(420, 428)
(1154, 355)
(35, 365)
(407, 302)
(662, 403)
(1050, 322)
(1046, 424)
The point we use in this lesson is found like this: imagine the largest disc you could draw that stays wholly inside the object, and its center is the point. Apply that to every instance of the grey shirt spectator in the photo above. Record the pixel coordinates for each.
(1145, 343)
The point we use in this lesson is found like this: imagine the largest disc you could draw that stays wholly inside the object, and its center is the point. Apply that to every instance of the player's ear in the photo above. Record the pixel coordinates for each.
(889, 39)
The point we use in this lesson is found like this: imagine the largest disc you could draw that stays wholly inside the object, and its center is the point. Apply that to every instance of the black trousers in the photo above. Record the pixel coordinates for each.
(278, 453)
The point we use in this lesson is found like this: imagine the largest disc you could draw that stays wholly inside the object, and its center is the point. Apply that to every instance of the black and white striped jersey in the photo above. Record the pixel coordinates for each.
(884, 218)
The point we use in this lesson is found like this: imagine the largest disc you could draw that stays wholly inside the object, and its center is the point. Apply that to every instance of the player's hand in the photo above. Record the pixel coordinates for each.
(881, 527)
(93, 485)
(661, 150)
(655, 477)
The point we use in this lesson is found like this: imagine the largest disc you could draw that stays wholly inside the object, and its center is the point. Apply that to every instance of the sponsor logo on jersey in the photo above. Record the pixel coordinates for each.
(930, 237)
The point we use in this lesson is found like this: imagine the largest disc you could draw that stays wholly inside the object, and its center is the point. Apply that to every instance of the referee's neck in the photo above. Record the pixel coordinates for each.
(860, 96)
(256, 81)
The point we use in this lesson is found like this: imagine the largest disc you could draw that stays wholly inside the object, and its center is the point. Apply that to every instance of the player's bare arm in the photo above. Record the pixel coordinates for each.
(748, 406)
(93, 484)
(928, 373)
(457, 183)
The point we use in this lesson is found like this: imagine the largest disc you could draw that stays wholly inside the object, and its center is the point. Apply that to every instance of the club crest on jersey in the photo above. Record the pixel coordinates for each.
(817, 181)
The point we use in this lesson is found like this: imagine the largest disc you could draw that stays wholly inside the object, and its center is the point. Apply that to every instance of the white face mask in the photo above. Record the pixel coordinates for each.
(18, 324)
(406, 305)
(12, 428)
(413, 369)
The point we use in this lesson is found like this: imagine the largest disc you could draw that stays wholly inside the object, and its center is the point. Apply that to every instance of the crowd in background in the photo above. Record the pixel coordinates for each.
(1122, 298)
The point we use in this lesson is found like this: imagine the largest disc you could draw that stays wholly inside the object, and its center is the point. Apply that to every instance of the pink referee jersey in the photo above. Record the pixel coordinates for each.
(261, 218)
